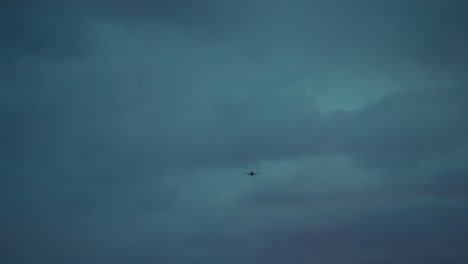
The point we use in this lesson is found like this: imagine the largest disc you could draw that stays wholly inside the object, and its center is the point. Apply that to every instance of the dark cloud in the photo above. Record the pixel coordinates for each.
(127, 127)
(67, 28)
(41, 28)
(409, 127)
(185, 13)
(386, 235)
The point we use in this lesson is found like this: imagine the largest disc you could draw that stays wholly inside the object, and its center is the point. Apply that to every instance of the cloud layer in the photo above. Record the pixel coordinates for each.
(127, 127)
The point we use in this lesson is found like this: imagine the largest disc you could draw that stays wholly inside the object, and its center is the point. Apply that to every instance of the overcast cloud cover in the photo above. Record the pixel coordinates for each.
(126, 128)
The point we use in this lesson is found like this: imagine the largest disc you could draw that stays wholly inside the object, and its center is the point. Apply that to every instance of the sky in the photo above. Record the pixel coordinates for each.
(127, 128)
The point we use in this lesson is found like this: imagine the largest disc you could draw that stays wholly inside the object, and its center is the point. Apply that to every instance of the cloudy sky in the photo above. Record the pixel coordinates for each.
(127, 127)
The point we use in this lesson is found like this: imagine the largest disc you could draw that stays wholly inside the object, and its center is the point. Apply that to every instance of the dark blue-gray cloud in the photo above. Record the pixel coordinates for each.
(126, 127)
(66, 28)
(41, 28)
(409, 127)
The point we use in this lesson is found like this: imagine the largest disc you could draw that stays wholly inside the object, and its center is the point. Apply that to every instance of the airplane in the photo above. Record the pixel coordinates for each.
(251, 173)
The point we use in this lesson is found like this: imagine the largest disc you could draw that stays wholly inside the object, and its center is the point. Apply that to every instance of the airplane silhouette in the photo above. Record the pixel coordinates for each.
(251, 173)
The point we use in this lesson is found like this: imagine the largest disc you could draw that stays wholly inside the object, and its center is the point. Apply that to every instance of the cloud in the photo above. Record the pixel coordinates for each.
(66, 29)
(127, 127)
(408, 127)
(42, 28)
